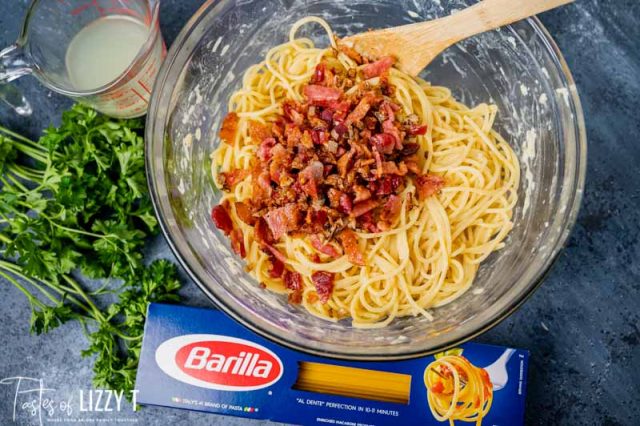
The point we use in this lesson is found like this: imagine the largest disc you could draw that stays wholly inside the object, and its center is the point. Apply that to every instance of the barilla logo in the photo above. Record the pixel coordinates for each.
(219, 362)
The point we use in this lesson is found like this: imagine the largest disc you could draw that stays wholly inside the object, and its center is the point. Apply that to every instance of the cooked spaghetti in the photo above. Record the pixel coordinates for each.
(458, 390)
(356, 189)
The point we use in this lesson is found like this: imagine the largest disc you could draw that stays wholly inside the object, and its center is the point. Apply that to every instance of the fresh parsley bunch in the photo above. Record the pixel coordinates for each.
(77, 201)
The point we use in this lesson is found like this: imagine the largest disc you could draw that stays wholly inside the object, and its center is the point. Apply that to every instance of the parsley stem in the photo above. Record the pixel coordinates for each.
(96, 312)
(37, 154)
(19, 137)
(17, 271)
(31, 297)
(27, 173)
(17, 183)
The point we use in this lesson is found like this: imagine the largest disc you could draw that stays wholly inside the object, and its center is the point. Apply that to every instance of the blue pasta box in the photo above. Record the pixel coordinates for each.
(199, 359)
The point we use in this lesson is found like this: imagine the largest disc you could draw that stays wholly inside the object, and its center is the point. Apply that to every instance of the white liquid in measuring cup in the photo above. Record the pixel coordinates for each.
(103, 50)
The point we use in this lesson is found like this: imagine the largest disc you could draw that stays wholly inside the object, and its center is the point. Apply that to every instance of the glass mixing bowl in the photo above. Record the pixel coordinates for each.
(519, 68)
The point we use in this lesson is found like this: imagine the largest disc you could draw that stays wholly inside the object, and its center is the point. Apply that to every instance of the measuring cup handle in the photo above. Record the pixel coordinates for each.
(13, 64)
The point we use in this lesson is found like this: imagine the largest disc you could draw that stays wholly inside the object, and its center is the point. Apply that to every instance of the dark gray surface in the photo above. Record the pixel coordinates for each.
(581, 326)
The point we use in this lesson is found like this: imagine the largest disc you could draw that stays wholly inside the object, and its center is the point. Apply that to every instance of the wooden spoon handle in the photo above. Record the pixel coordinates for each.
(491, 14)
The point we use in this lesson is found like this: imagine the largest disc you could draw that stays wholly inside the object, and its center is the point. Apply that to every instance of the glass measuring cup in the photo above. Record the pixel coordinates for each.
(103, 53)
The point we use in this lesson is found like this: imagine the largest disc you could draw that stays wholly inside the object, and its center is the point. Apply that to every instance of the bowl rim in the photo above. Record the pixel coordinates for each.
(573, 207)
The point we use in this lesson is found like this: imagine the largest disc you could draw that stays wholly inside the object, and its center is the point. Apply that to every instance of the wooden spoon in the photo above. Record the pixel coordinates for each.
(416, 45)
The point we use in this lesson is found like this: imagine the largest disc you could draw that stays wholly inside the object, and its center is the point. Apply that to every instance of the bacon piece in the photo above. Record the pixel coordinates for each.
(310, 177)
(261, 184)
(389, 184)
(243, 210)
(229, 128)
(283, 220)
(410, 149)
(340, 129)
(293, 134)
(277, 267)
(389, 109)
(428, 185)
(295, 297)
(279, 159)
(258, 131)
(351, 53)
(271, 250)
(262, 233)
(363, 207)
(328, 249)
(229, 179)
(359, 111)
(345, 204)
(413, 166)
(378, 67)
(237, 243)
(327, 115)
(221, 219)
(323, 281)
(366, 221)
(378, 158)
(390, 129)
(334, 197)
(319, 137)
(349, 242)
(344, 162)
(264, 150)
(391, 208)
(384, 142)
(292, 280)
(292, 113)
(316, 218)
(361, 193)
(391, 168)
(320, 95)
(415, 129)
(318, 75)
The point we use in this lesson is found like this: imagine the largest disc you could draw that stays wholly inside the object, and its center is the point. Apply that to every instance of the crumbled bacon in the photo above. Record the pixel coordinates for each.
(318, 75)
(264, 150)
(283, 220)
(362, 193)
(229, 128)
(328, 249)
(415, 129)
(323, 282)
(221, 219)
(243, 210)
(293, 282)
(378, 67)
(363, 207)
(228, 180)
(350, 244)
(390, 211)
(333, 163)
(258, 131)
(428, 185)
(320, 95)
(275, 252)
(351, 53)
(384, 142)
(277, 267)
(237, 243)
